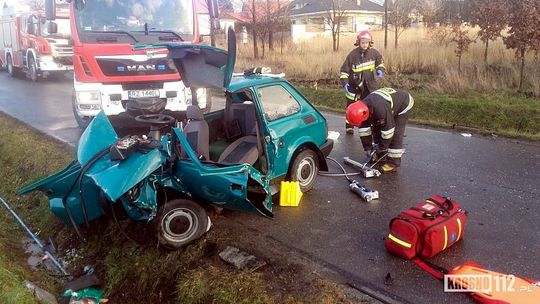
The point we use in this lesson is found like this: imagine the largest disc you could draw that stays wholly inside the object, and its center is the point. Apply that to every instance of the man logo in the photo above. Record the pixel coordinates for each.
(141, 67)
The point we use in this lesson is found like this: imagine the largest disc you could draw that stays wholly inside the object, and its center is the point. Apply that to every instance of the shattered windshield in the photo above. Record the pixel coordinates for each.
(132, 16)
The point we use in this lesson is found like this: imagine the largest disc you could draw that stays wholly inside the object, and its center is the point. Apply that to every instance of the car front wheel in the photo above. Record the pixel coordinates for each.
(305, 169)
(180, 222)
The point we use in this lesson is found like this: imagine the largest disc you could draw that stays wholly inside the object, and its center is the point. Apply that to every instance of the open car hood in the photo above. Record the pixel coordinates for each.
(112, 177)
(200, 65)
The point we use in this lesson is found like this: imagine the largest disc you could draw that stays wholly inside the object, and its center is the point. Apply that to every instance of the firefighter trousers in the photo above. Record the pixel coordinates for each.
(395, 149)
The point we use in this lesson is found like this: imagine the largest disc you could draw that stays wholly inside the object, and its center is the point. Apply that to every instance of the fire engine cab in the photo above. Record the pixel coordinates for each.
(111, 75)
(32, 45)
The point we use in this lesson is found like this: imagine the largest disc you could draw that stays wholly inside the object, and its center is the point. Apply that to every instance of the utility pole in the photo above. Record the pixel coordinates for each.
(213, 18)
(385, 24)
(254, 20)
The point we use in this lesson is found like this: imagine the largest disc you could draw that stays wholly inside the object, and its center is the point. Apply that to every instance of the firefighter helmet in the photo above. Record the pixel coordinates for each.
(357, 113)
(364, 35)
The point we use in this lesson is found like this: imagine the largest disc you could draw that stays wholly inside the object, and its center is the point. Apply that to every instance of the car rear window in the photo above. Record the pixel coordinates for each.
(277, 102)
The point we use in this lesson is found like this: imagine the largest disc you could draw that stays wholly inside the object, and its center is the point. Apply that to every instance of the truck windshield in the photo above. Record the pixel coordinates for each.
(98, 16)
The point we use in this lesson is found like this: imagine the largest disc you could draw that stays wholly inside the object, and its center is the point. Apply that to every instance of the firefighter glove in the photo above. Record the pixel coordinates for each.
(346, 88)
(380, 73)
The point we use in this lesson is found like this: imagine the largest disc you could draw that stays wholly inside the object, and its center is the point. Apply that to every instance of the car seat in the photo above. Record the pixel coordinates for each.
(196, 132)
(245, 149)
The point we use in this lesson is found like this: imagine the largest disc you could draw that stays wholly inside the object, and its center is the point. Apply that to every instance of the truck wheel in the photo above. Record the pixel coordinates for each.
(305, 169)
(12, 71)
(180, 222)
(82, 121)
(32, 69)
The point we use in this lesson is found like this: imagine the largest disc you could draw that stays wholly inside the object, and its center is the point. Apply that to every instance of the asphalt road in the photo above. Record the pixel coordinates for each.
(497, 180)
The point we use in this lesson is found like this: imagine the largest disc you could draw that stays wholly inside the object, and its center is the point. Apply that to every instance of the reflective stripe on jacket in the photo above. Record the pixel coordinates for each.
(384, 105)
(359, 68)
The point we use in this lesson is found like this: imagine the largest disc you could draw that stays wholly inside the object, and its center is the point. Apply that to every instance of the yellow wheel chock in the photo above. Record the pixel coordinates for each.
(290, 194)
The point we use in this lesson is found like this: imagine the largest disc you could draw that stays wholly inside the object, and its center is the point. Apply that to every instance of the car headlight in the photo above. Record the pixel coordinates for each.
(89, 97)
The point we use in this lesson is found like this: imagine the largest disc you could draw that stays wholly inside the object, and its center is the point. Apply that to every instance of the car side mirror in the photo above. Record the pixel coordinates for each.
(52, 28)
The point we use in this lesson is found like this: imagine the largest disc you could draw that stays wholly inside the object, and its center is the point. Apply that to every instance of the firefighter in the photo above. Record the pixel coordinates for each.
(381, 118)
(358, 71)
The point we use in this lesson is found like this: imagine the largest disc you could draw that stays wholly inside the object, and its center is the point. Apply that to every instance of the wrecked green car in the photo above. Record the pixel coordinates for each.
(231, 158)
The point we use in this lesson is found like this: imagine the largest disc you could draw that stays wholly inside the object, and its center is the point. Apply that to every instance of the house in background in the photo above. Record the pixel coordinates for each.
(311, 17)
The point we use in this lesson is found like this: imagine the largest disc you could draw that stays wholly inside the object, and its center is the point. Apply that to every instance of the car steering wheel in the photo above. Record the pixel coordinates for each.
(155, 119)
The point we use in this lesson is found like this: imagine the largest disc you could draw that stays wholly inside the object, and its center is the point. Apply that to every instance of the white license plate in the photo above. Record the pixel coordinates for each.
(143, 93)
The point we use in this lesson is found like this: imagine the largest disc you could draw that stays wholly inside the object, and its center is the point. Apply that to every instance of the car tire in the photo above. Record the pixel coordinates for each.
(304, 169)
(32, 69)
(180, 222)
(82, 121)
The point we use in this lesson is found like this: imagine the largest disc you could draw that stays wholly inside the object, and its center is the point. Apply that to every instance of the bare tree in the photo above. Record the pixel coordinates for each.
(36, 5)
(278, 21)
(254, 26)
(460, 35)
(490, 16)
(400, 16)
(432, 11)
(386, 24)
(523, 36)
(334, 17)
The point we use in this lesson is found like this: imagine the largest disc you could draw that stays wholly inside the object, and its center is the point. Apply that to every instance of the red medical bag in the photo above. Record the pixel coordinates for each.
(427, 229)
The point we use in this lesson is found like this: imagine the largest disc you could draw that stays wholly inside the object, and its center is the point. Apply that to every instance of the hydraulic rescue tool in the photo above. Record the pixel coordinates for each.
(366, 170)
(364, 192)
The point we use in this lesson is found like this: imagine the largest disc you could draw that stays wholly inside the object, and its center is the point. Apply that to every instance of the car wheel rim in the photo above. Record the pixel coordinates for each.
(306, 171)
(179, 225)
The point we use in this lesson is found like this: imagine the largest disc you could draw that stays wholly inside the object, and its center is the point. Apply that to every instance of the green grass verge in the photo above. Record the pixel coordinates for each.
(24, 157)
(133, 273)
(506, 114)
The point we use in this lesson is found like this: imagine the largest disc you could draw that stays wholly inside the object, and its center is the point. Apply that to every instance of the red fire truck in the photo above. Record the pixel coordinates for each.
(31, 44)
(111, 75)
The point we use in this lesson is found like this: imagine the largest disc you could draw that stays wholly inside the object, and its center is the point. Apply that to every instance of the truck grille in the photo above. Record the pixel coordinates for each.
(62, 50)
(128, 67)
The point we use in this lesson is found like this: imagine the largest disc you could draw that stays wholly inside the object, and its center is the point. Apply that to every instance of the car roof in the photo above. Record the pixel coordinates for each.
(240, 82)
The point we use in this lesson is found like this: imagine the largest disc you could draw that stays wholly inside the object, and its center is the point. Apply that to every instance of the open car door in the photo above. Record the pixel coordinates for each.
(239, 186)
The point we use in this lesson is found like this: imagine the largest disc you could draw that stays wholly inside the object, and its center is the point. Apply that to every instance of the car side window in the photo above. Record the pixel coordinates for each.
(277, 102)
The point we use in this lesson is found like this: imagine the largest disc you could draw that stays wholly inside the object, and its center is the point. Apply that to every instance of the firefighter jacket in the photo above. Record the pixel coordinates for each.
(358, 71)
(384, 105)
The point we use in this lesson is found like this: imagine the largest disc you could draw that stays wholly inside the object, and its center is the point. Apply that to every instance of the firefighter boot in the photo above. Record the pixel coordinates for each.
(391, 165)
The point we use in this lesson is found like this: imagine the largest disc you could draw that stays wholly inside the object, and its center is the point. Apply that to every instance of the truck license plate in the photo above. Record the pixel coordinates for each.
(143, 93)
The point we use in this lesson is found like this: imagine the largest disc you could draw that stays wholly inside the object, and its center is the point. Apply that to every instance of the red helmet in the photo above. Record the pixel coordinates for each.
(363, 35)
(357, 113)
